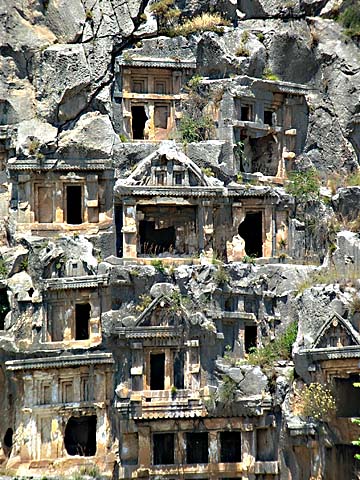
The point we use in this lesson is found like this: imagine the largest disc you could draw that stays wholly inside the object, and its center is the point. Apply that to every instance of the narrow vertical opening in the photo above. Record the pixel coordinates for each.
(139, 119)
(251, 231)
(157, 371)
(4, 307)
(197, 447)
(118, 226)
(245, 113)
(268, 117)
(230, 447)
(179, 363)
(82, 321)
(163, 448)
(74, 204)
(80, 436)
(250, 337)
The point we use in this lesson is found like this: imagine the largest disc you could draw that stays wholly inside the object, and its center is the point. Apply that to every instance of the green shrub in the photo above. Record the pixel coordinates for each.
(242, 51)
(227, 390)
(207, 171)
(195, 129)
(144, 302)
(158, 264)
(316, 401)
(3, 268)
(90, 470)
(305, 186)
(221, 276)
(269, 75)
(350, 19)
(166, 14)
(279, 349)
(353, 180)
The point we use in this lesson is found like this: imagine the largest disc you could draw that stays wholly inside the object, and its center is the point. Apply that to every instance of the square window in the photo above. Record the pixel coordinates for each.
(230, 447)
(163, 448)
(197, 447)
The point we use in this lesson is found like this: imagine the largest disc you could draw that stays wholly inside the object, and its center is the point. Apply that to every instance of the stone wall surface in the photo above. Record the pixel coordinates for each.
(149, 290)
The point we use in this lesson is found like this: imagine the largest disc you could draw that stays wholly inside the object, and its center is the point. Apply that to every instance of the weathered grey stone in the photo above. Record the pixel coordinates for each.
(39, 135)
(346, 257)
(91, 137)
(65, 18)
(236, 374)
(14, 259)
(62, 82)
(161, 289)
(346, 202)
(254, 382)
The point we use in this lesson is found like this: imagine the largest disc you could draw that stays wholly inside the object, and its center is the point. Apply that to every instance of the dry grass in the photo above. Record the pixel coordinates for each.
(202, 23)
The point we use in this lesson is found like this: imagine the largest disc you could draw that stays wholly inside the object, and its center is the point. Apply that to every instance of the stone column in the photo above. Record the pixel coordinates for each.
(129, 229)
(144, 447)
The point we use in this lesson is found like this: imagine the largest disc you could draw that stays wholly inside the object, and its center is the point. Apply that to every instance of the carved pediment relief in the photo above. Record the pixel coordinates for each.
(336, 333)
(167, 167)
(162, 312)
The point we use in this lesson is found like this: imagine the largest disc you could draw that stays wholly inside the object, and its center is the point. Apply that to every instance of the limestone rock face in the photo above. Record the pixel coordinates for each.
(347, 202)
(92, 136)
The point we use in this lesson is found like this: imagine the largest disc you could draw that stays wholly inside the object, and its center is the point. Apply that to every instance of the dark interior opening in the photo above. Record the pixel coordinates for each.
(245, 113)
(230, 447)
(179, 362)
(250, 337)
(230, 304)
(268, 117)
(82, 321)
(347, 397)
(230, 333)
(118, 212)
(156, 240)
(4, 307)
(80, 436)
(8, 438)
(197, 447)
(74, 204)
(163, 444)
(251, 231)
(265, 445)
(139, 119)
(157, 371)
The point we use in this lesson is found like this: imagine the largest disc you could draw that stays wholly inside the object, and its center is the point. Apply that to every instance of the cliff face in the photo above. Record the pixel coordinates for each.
(175, 301)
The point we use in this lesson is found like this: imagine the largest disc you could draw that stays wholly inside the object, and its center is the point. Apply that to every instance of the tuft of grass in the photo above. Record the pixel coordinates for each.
(221, 276)
(350, 20)
(205, 22)
(279, 349)
(353, 180)
(158, 264)
(242, 51)
(269, 75)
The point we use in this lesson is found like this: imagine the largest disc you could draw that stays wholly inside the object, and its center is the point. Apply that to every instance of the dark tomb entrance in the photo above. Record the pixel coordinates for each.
(82, 321)
(157, 371)
(139, 119)
(80, 436)
(230, 447)
(156, 240)
(179, 361)
(251, 231)
(163, 444)
(8, 441)
(250, 337)
(4, 307)
(74, 204)
(197, 447)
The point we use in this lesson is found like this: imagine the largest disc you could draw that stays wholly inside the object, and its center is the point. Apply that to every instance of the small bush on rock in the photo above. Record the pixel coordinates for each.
(316, 401)
(350, 19)
(206, 22)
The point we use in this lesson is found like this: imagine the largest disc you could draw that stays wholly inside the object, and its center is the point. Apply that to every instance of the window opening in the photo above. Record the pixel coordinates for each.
(157, 371)
(74, 204)
(4, 307)
(163, 448)
(80, 436)
(230, 447)
(268, 117)
(229, 332)
(156, 240)
(179, 362)
(250, 337)
(197, 447)
(119, 226)
(82, 321)
(178, 178)
(347, 397)
(245, 113)
(139, 119)
(251, 231)
(8, 438)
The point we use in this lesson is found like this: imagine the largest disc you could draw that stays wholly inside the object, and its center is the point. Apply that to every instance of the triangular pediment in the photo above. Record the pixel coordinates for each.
(162, 312)
(337, 332)
(167, 167)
